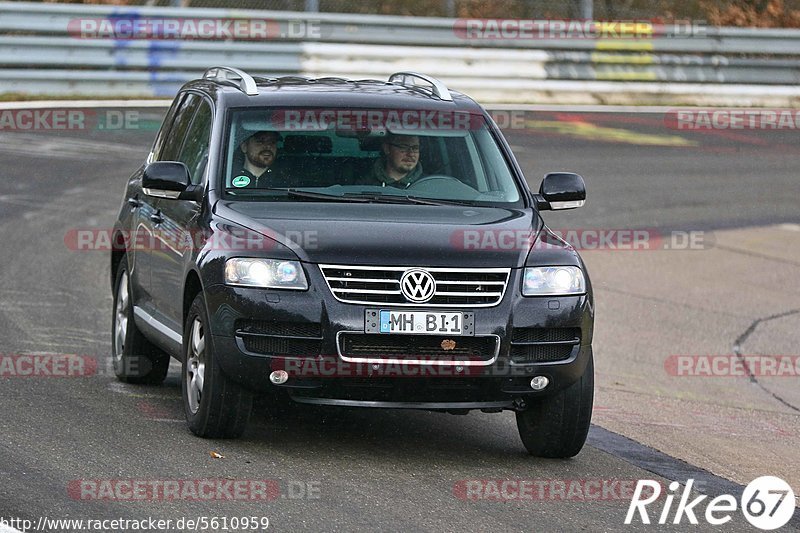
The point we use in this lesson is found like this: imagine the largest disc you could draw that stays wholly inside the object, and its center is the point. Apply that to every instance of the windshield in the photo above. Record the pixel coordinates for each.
(366, 155)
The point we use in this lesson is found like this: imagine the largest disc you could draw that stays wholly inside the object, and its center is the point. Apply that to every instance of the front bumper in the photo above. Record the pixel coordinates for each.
(322, 374)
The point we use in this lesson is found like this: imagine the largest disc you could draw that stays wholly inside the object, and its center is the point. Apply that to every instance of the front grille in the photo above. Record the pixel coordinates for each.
(426, 347)
(527, 335)
(540, 353)
(543, 345)
(297, 339)
(455, 287)
(282, 346)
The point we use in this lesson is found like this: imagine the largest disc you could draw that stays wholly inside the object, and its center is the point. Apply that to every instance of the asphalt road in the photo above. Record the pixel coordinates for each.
(356, 469)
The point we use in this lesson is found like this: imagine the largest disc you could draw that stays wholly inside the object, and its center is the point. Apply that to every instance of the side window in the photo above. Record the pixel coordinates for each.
(195, 147)
(163, 133)
(177, 133)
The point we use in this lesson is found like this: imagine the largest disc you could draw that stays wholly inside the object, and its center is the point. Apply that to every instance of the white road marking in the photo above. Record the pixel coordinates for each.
(71, 104)
(130, 390)
(589, 108)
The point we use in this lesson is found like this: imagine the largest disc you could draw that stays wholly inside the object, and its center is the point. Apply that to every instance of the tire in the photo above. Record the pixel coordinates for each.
(215, 406)
(556, 426)
(135, 358)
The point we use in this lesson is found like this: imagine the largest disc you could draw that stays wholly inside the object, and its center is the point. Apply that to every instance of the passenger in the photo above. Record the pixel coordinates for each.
(261, 168)
(398, 165)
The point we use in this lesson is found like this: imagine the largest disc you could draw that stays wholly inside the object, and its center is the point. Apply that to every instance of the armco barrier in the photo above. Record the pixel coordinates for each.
(40, 53)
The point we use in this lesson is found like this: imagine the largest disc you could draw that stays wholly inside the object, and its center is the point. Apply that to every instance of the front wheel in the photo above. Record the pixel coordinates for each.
(556, 426)
(215, 406)
(135, 358)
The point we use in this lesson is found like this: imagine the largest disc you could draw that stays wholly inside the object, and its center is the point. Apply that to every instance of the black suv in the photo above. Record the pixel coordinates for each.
(352, 243)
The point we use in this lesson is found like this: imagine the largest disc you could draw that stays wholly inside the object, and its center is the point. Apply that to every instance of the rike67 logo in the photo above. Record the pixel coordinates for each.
(767, 503)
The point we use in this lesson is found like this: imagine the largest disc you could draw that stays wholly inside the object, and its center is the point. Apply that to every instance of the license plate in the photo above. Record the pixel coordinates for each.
(422, 322)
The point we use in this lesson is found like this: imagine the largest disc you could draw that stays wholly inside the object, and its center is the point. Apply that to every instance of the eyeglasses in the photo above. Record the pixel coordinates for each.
(406, 148)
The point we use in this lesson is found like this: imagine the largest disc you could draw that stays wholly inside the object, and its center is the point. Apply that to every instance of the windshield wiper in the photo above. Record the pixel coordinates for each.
(404, 199)
(439, 201)
(367, 197)
(296, 193)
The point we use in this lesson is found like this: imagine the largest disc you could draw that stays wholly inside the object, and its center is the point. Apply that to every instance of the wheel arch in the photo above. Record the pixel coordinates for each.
(118, 253)
(192, 286)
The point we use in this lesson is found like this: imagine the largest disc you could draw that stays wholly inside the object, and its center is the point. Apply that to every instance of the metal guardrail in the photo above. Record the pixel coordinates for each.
(39, 53)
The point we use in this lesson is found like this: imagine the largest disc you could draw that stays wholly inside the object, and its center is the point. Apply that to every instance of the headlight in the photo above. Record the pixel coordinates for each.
(269, 273)
(553, 281)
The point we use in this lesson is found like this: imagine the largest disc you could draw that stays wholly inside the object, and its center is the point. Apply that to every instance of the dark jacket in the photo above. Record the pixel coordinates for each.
(277, 175)
(377, 175)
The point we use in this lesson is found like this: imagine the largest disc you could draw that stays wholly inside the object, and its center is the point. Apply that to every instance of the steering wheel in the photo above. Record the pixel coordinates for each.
(434, 177)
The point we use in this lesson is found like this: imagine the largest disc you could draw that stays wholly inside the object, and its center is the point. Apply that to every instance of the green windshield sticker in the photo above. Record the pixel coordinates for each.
(241, 181)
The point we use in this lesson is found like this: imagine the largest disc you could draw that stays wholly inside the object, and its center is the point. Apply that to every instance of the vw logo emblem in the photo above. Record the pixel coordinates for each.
(417, 285)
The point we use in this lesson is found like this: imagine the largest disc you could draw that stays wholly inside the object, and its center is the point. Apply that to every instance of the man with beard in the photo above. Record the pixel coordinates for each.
(399, 164)
(260, 167)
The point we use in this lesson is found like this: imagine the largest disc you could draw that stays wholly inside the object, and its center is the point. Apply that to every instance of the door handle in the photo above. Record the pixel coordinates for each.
(156, 218)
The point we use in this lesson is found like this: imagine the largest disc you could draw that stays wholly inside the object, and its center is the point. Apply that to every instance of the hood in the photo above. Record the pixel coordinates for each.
(390, 234)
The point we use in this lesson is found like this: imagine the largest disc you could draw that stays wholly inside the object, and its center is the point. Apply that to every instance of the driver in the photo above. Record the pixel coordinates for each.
(261, 168)
(398, 165)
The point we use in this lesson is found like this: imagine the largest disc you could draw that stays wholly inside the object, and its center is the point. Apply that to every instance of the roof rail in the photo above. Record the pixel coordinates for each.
(246, 82)
(439, 89)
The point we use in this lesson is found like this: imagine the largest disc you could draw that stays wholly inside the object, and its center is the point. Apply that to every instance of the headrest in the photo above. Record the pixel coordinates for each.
(307, 144)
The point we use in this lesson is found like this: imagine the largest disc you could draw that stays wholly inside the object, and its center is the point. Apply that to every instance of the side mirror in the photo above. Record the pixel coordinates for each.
(561, 190)
(166, 179)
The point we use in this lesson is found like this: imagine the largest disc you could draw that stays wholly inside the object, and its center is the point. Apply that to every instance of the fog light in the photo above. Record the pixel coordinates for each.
(539, 382)
(279, 377)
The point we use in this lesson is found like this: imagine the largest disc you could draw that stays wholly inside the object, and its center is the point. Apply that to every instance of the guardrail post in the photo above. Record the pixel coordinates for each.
(587, 9)
(312, 6)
